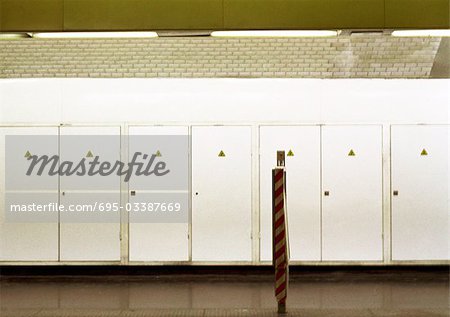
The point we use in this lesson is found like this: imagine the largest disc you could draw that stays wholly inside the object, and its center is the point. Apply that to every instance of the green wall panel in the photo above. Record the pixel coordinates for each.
(31, 15)
(86, 15)
(1, 16)
(142, 14)
(303, 14)
(417, 14)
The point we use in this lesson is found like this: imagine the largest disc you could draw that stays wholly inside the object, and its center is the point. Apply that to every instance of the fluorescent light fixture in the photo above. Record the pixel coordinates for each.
(421, 33)
(10, 36)
(91, 35)
(274, 33)
(183, 33)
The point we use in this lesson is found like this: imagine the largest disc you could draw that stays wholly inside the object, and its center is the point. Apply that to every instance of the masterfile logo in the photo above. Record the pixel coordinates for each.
(96, 162)
(96, 178)
(54, 166)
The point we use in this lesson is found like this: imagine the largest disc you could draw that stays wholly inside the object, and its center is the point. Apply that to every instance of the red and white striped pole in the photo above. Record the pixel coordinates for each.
(279, 232)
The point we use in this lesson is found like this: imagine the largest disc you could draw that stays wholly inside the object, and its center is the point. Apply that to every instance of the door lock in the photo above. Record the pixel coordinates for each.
(326, 193)
(395, 193)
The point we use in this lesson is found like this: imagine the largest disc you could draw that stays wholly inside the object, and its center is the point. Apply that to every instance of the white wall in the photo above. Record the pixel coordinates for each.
(253, 102)
(50, 101)
(344, 56)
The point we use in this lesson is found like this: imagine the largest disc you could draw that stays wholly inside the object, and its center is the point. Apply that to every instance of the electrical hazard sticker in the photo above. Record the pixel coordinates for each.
(290, 153)
(424, 152)
(28, 154)
(89, 154)
(221, 154)
(351, 153)
(158, 153)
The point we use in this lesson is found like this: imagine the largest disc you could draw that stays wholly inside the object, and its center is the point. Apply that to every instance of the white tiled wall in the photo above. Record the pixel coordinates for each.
(360, 56)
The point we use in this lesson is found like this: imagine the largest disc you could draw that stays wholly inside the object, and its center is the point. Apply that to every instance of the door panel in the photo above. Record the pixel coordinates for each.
(221, 193)
(302, 148)
(420, 180)
(160, 241)
(28, 241)
(352, 193)
(90, 236)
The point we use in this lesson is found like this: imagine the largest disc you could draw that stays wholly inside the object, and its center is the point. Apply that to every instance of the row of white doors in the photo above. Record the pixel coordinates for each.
(221, 201)
(59, 239)
(334, 191)
(334, 197)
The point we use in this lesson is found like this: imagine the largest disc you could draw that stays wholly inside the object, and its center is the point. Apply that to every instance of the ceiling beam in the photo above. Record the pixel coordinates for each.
(119, 15)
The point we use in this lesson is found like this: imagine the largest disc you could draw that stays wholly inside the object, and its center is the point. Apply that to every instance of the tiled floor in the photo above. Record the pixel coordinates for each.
(324, 294)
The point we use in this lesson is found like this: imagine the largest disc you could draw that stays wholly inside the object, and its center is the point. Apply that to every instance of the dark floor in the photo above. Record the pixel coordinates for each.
(311, 294)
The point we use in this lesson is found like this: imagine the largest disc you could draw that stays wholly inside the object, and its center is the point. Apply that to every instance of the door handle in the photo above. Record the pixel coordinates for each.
(326, 193)
(63, 193)
(395, 193)
(133, 193)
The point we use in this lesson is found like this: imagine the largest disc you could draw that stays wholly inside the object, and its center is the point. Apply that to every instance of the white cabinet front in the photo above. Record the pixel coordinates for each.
(302, 148)
(34, 237)
(159, 239)
(221, 193)
(420, 192)
(90, 229)
(352, 193)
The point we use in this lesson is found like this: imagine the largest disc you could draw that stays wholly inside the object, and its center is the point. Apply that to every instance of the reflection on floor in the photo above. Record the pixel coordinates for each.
(325, 294)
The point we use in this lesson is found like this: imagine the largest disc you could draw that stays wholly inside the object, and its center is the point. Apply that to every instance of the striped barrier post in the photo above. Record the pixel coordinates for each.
(279, 233)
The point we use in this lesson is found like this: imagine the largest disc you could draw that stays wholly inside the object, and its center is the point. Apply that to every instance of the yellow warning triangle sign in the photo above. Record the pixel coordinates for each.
(89, 154)
(424, 152)
(158, 153)
(28, 154)
(351, 153)
(290, 153)
(221, 154)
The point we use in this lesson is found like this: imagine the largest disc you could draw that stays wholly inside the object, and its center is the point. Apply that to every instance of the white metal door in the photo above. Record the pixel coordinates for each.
(221, 193)
(352, 193)
(29, 241)
(159, 241)
(90, 236)
(420, 192)
(302, 148)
